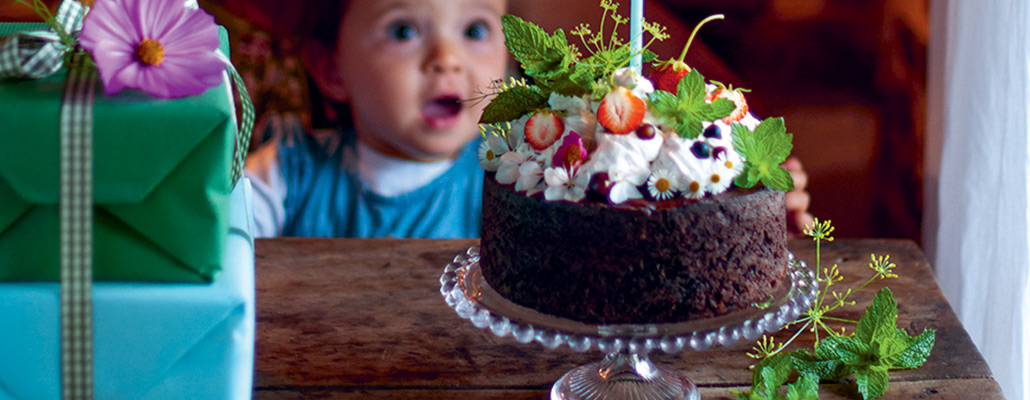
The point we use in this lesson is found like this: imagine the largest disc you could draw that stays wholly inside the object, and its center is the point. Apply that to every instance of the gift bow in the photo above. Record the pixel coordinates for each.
(39, 54)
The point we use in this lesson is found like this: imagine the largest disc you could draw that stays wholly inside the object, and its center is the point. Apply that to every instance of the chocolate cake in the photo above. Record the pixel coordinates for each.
(598, 263)
(611, 197)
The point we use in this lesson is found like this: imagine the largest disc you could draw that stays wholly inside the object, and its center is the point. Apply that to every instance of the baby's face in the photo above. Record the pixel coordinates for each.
(405, 64)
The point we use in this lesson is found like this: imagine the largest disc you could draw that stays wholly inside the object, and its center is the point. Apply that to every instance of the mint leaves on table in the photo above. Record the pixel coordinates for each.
(876, 346)
(688, 106)
(764, 149)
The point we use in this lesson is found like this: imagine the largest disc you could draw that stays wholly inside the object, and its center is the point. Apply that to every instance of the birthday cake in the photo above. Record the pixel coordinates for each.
(611, 197)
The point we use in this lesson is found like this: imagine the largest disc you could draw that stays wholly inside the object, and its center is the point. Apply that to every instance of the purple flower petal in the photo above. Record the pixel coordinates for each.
(188, 37)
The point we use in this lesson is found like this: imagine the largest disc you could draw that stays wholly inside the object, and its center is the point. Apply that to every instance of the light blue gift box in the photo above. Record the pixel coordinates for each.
(151, 341)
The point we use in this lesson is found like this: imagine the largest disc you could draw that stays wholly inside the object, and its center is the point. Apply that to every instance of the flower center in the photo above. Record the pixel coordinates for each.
(662, 185)
(573, 156)
(695, 187)
(729, 164)
(150, 52)
(490, 155)
(87, 3)
(715, 178)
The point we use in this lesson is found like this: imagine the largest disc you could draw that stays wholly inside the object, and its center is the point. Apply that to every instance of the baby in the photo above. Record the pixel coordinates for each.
(408, 168)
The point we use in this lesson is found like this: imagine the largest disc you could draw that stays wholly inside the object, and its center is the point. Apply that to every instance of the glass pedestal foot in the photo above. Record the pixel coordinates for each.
(624, 376)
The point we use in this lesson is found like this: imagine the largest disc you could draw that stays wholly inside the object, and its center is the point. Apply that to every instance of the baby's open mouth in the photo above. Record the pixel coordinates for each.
(442, 112)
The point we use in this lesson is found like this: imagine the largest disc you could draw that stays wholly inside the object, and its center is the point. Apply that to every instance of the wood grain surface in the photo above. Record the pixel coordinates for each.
(364, 318)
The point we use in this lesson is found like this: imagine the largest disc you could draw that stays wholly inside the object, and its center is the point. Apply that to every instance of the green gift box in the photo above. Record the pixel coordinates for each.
(161, 182)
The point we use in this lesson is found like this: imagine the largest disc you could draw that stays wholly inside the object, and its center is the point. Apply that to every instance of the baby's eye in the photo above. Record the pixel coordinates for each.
(402, 31)
(478, 30)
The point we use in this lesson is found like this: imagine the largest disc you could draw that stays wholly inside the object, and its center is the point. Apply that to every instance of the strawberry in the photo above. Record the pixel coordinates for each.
(621, 111)
(543, 129)
(731, 94)
(667, 74)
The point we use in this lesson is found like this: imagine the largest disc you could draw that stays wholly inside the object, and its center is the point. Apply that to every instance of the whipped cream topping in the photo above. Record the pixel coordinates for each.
(633, 164)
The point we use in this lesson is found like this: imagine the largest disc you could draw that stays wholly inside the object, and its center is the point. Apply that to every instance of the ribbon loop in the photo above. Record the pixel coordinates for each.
(37, 55)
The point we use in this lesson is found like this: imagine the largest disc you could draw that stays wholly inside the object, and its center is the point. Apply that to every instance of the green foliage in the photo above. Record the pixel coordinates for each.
(764, 149)
(688, 106)
(774, 372)
(512, 103)
(556, 66)
(876, 347)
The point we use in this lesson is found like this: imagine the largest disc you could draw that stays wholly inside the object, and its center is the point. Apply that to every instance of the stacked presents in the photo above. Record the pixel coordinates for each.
(126, 261)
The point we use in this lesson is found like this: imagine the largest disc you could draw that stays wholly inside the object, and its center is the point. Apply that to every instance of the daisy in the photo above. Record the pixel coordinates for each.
(718, 179)
(693, 187)
(566, 185)
(158, 46)
(660, 185)
(490, 152)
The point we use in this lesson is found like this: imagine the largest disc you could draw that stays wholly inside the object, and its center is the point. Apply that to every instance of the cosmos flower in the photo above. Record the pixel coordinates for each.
(158, 46)
(571, 153)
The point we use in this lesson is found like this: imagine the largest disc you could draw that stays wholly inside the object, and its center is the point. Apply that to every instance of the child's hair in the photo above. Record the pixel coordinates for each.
(325, 23)
(323, 28)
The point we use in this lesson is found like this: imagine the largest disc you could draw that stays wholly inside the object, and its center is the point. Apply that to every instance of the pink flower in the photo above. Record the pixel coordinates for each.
(158, 46)
(571, 153)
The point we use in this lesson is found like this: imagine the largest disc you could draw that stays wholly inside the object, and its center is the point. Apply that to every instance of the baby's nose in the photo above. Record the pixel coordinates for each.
(444, 57)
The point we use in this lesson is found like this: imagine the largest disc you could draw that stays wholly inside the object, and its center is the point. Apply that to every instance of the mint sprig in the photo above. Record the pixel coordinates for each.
(764, 149)
(877, 346)
(772, 373)
(542, 56)
(687, 108)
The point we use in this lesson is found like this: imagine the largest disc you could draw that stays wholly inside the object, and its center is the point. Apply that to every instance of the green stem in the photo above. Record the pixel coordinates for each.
(690, 40)
(835, 319)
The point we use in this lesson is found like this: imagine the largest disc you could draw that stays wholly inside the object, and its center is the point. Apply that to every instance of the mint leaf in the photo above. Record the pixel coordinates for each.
(879, 321)
(763, 150)
(513, 103)
(687, 108)
(806, 388)
(825, 368)
(872, 382)
(542, 56)
(918, 350)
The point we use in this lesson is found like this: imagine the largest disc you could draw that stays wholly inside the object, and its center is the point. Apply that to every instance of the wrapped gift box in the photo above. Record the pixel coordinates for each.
(152, 340)
(161, 181)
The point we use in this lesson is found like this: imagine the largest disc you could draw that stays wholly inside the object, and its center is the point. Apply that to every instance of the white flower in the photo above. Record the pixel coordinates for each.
(517, 134)
(660, 185)
(732, 161)
(718, 179)
(565, 185)
(530, 176)
(692, 187)
(624, 183)
(490, 152)
(508, 167)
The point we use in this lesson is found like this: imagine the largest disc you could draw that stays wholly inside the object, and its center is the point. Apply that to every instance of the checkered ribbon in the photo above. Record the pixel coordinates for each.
(76, 210)
(40, 54)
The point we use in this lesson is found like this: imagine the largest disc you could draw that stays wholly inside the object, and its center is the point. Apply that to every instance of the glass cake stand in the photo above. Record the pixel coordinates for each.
(626, 372)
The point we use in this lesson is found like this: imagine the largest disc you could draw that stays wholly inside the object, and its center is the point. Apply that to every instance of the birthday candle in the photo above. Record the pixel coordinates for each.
(636, 16)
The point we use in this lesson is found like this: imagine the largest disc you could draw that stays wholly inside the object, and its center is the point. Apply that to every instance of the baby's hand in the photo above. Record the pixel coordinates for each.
(797, 200)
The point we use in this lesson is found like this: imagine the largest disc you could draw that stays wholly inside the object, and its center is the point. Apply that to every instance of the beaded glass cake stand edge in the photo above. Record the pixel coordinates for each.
(626, 372)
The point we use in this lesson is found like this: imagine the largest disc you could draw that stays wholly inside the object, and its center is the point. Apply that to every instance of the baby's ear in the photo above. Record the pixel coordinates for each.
(322, 66)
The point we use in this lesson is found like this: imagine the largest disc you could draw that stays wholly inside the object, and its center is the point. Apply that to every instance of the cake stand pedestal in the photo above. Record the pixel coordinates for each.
(626, 372)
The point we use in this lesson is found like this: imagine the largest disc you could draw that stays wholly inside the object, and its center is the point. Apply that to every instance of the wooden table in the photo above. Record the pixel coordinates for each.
(358, 318)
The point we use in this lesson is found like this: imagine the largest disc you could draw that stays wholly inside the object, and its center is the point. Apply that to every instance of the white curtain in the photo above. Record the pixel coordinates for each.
(977, 231)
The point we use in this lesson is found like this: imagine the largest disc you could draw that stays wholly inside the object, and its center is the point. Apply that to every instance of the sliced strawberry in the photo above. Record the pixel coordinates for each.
(543, 129)
(621, 111)
(731, 94)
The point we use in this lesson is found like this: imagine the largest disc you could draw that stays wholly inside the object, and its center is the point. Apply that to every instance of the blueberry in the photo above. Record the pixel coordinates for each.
(599, 186)
(713, 132)
(646, 131)
(719, 152)
(701, 150)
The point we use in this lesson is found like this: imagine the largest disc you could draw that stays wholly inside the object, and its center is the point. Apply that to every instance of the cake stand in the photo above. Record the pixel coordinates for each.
(626, 372)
